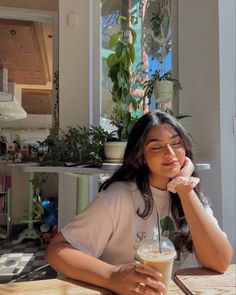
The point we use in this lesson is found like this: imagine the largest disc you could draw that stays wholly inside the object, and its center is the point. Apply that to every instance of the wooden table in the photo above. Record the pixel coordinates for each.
(61, 287)
(195, 281)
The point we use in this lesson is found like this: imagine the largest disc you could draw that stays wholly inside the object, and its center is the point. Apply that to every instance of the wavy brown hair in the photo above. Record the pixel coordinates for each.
(134, 169)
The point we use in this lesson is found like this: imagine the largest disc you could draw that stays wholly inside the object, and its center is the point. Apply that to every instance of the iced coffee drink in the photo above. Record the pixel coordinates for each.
(160, 258)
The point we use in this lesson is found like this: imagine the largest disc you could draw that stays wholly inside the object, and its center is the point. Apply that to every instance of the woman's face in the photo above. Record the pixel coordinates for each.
(164, 154)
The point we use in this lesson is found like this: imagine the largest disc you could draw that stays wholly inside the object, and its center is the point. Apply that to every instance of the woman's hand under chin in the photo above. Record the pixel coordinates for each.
(183, 182)
(187, 169)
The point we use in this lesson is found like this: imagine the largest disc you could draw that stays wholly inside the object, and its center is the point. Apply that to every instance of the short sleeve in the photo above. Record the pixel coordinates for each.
(90, 231)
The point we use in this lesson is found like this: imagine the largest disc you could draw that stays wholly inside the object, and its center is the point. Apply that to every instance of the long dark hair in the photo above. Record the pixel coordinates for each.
(134, 169)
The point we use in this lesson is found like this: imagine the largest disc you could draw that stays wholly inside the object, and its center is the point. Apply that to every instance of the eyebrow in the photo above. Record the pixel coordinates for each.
(158, 140)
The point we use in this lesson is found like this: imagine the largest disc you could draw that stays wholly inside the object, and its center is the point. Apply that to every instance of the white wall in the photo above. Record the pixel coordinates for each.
(199, 75)
(227, 36)
(74, 63)
(79, 63)
(206, 64)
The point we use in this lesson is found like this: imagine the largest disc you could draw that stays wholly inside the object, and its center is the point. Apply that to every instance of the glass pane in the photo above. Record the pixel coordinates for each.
(152, 46)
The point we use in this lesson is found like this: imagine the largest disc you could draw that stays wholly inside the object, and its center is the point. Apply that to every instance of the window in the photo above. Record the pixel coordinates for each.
(152, 47)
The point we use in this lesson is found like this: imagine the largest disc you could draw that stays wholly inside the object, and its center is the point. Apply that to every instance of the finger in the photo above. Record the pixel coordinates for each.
(187, 160)
(143, 289)
(187, 163)
(187, 168)
(145, 269)
(157, 285)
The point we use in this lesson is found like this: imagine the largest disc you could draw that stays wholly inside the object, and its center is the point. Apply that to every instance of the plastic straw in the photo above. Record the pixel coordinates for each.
(159, 231)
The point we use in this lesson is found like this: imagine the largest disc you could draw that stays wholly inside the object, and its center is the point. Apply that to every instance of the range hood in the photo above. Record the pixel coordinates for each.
(10, 106)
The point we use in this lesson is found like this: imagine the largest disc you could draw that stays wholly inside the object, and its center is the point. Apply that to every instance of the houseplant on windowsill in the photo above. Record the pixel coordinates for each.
(119, 71)
(79, 145)
(164, 87)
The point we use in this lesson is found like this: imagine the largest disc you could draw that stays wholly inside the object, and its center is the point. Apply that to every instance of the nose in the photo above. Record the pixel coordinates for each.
(168, 152)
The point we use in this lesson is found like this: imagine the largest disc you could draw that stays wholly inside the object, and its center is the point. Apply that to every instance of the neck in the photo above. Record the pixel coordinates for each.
(160, 182)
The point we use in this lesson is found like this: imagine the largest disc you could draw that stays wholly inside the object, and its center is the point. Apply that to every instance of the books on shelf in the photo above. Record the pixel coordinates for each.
(3, 204)
(5, 183)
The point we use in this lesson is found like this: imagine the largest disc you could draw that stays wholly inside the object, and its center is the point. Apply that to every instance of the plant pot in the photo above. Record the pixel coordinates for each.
(164, 91)
(114, 151)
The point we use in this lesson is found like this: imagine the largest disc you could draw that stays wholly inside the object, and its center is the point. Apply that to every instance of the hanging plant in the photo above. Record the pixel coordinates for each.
(55, 114)
(160, 22)
(157, 32)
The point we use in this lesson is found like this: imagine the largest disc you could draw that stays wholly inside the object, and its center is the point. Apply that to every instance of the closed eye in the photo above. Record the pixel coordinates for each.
(155, 148)
(176, 143)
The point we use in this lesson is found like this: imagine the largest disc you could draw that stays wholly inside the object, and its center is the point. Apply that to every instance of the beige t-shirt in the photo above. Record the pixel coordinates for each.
(110, 229)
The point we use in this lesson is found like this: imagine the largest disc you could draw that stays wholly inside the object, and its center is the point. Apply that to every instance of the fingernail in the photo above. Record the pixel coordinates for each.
(162, 286)
(159, 275)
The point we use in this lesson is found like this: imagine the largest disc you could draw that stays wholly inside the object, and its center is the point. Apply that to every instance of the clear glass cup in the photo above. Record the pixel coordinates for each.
(159, 255)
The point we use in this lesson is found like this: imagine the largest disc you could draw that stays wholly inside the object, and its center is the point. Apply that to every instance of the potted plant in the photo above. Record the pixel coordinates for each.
(119, 70)
(79, 145)
(86, 145)
(164, 87)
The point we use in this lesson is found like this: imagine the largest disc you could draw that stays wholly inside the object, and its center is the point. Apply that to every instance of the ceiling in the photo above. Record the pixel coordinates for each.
(26, 51)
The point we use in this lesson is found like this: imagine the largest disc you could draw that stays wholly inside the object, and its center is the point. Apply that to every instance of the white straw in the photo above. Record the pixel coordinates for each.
(159, 231)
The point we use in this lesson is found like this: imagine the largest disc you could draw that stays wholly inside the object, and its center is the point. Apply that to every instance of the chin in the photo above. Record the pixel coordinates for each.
(173, 174)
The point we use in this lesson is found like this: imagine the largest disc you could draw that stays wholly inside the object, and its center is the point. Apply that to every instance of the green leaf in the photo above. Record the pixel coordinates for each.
(113, 72)
(119, 49)
(134, 35)
(124, 58)
(111, 60)
(114, 39)
(120, 79)
(132, 52)
(134, 103)
(134, 19)
(121, 18)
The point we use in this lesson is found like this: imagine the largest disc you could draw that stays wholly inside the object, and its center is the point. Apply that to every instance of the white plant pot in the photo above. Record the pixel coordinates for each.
(164, 91)
(114, 151)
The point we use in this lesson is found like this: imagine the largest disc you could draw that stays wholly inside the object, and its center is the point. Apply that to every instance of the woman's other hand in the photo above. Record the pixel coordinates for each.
(136, 278)
(187, 169)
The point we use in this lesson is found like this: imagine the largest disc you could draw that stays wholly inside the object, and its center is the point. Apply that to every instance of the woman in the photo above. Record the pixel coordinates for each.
(99, 245)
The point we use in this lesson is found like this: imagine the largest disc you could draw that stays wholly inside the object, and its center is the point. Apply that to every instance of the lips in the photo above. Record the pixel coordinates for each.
(170, 164)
